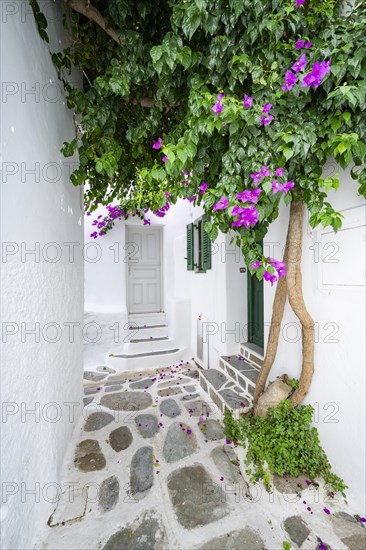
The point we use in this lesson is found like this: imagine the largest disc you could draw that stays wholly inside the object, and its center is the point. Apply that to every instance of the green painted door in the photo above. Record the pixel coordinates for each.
(255, 311)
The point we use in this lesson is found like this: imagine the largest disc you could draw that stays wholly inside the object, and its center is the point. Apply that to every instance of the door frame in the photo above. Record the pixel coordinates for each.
(252, 339)
(160, 230)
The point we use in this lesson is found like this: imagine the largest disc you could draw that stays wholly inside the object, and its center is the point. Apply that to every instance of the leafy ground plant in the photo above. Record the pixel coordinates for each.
(284, 442)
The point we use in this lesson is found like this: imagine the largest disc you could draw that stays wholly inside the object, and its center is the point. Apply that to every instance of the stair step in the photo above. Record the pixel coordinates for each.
(147, 332)
(147, 319)
(129, 362)
(219, 386)
(252, 353)
(241, 372)
(151, 339)
(145, 354)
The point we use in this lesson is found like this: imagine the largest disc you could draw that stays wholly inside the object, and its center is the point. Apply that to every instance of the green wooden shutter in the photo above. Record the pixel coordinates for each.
(190, 247)
(206, 247)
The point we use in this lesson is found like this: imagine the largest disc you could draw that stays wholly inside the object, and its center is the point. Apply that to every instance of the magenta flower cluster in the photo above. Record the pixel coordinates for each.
(280, 267)
(217, 108)
(313, 78)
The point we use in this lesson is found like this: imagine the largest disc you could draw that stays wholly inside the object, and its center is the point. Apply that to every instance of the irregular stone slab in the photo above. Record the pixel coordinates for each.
(106, 369)
(170, 408)
(297, 529)
(178, 442)
(198, 408)
(88, 456)
(355, 542)
(168, 383)
(349, 530)
(97, 421)
(141, 473)
(190, 396)
(233, 399)
(191, 388)
(170, 391)
(216, 377)
(226, 462)
(211, 429)
(289, 485)
(127, 401)
(142, 384)
(108, 494)
(116, 387)
(93, 376)
(192, 374)
(147, 424)
(246, 539)
(196, 499)
(147, 533)
(87, 400)
(203, 384)
(120, 438)
(90, 391)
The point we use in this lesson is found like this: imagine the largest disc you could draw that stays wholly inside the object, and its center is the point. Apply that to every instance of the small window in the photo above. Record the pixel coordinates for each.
(198, 246)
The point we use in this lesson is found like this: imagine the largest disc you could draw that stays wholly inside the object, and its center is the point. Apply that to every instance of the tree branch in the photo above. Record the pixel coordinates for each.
(85, 8)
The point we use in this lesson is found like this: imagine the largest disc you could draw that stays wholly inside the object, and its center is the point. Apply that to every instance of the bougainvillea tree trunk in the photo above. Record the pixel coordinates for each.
(291, 286)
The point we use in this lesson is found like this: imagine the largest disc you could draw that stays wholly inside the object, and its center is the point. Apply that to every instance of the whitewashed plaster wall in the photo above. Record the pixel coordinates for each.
(40, 211)
(338, 387)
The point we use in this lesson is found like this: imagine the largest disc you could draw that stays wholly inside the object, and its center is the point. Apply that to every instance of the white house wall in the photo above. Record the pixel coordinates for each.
(338, 387)
(41, 374)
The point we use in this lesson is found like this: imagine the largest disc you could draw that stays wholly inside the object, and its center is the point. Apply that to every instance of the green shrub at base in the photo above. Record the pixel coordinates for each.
(285, 441)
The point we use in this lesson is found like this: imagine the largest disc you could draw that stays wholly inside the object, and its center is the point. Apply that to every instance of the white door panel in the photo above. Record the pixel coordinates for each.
(143, 245)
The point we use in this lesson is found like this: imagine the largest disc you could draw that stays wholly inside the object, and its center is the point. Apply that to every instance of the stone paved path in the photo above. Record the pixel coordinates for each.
(150, 468)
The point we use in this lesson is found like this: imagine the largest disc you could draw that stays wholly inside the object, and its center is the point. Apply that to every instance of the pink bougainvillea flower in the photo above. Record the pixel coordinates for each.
(147, 222)
(265, 172)
(165, 158)
(308, 45)
(221, 205)
(203, 187)
(228, 441)
(249, 196)
(326, 511)
(248, 101)
(290, 79)
(237, 211)
(300, 44)
(267, 119)
(363, 520)
(279, 172)
(317, 73)
(299, 3)
(221, 478)
(256, 176)
(300, 64)
(288, 185)
(267, 276)
(255, 264)
(247, 217)
(266, 107)
(217, 108)
(276, 186)
(220, 96)
(157, 144)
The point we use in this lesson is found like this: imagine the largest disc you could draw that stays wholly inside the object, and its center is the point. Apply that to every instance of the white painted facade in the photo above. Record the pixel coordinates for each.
(219, 297)
(41, 211)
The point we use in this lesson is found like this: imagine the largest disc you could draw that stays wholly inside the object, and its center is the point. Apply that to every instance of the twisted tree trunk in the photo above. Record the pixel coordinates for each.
(290, 286)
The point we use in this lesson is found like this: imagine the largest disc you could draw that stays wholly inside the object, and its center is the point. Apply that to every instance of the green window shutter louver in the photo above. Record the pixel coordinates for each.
(190, 247)
(206, 247)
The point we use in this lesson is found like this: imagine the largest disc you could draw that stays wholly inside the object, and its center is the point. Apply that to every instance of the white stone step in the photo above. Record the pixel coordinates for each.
(147, 345)
(149, 319)
(163, 358)
(142, 332)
